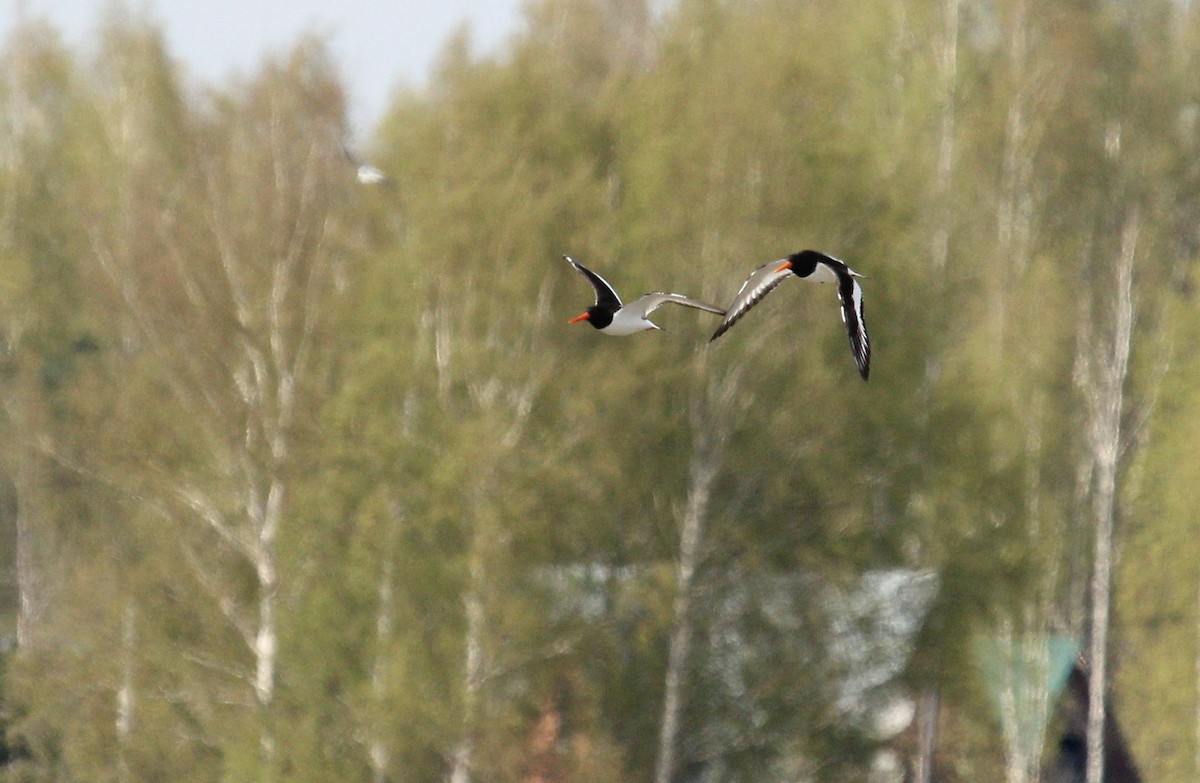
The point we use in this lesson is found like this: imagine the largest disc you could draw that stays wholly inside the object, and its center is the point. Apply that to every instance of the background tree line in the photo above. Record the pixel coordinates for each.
(303, 480)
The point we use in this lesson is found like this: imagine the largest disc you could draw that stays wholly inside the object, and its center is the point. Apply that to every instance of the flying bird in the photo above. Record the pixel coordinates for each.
(613, 318)
(817, 268)
(366, 173)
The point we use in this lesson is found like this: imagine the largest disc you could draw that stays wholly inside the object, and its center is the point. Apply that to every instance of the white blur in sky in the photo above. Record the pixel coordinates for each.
(379, 45)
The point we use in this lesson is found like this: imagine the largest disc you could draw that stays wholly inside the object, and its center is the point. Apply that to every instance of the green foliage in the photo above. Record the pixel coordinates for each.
(198, 304)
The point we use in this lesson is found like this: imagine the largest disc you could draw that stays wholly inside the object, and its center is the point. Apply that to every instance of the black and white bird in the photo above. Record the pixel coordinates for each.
(817, 268)
(366, 173)
(616, 319)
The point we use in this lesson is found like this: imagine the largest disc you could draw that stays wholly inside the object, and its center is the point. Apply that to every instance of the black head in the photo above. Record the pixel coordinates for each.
(599, 316)
(805, 262)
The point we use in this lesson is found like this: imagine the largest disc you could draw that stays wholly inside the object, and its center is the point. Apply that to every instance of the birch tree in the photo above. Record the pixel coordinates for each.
(59, 407)
(1035, 84)
(262, 201)
(929, 702)
(1025, 299)
(1104, 371)
(511, 404)
(505, 188)
(715, 407)
(947, 71)
(40, 297)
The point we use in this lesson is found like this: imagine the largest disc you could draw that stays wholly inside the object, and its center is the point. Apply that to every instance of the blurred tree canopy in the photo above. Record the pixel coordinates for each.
(304, 479)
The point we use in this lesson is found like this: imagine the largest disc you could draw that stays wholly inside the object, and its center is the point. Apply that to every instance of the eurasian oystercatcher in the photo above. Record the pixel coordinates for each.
(366, 173)
(611, 317)
(817, 268)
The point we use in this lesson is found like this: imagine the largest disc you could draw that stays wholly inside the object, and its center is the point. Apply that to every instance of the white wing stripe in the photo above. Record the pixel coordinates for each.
(856, 326)
(648, 303)
(760, 283)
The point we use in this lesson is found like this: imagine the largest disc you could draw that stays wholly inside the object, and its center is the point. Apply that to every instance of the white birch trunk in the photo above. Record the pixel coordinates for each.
(29, 568)
(712, 417)
(948, 75)
(1196, 749)
(1010, 713)
(1109, 361)
(1024, 699)
(19, 406)
(1014, 219)
(126, 695)
(473, 656)
(266, 640)
(1013, 194)
(36, 572)
(378, 749)
(928, 708)
(1101, 587)
(897, 58)
(702, 472)
(511, 402)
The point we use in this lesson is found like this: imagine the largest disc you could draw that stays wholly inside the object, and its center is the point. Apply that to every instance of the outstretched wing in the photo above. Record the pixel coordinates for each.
(605, 294)
(648, 303)
(851, 294)
(761, 282)
(366, 173)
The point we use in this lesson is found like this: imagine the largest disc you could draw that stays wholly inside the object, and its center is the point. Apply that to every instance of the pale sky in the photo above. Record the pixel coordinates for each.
(378, 44)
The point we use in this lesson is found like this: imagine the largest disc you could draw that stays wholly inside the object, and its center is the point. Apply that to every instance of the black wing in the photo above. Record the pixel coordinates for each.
(605, 295)
(851, 294)
(761, 282)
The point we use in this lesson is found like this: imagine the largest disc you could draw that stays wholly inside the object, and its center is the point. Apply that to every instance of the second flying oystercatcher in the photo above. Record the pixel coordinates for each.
(817, 268)
(613, 318)
(367, 173)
